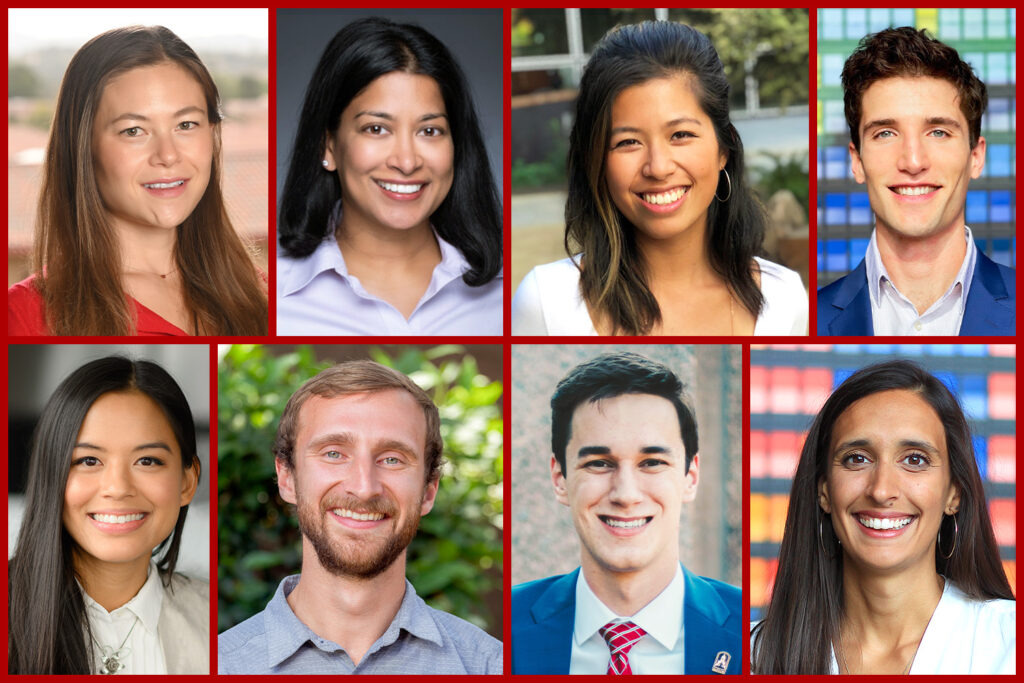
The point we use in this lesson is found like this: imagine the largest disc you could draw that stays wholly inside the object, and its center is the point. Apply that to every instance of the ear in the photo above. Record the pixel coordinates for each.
(558, 481)
(429, 496)
(331, 165)
(723, 159)
(823, 497)
(953, 500)
(978, 158)
(692, 476)
(190, 482)
(856, 165)
(285, 481)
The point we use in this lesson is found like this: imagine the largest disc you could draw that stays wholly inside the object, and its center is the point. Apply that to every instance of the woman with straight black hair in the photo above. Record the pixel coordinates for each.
(888, 563)
(91, 585)
(389, 221)
(661, 228)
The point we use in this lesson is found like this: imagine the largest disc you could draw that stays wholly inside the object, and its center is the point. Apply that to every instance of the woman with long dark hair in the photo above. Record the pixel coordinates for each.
(132, 235)
(91, 585)
(389, 220)
(888, 562)
(661, 228)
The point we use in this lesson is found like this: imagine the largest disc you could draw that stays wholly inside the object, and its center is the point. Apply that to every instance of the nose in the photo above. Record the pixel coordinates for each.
(404, 157)
(117, 482)
(913, 157)
(659, 161)
(363, 480)
(626, 489)
(165, 150)
(883, 486)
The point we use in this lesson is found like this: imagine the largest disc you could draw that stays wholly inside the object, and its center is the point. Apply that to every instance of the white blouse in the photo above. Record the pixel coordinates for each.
(548, 302)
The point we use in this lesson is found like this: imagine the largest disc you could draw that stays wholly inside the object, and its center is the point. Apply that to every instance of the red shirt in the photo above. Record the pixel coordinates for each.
(25, 315)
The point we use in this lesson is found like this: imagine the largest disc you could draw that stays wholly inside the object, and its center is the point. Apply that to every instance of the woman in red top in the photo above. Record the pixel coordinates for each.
(132, 235)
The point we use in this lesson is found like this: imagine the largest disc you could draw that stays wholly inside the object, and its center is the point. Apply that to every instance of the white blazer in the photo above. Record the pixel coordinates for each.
(184, 626)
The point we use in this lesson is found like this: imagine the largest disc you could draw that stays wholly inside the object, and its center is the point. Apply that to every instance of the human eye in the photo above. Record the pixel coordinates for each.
(683, 135)
(375, 129)
(433, 132)
(917, 460)
(133, 132)
(85, 461)
(626, 143)
(150, 461)
(653, 463)
(939, 133)
(884, 134)
(597, 465)
(855, 460)
(332, 454)
(391, 460)
(188, 125)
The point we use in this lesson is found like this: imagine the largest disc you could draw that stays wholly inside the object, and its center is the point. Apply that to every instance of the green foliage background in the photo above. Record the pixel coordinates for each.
(455, 562)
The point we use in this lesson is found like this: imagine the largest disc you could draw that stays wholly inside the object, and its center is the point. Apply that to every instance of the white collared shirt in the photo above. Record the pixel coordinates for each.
(144, 654)
(893, 314)
(318, 296)
(658, 652)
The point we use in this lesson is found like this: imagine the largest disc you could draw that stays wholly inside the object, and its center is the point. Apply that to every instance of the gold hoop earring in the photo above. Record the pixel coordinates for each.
(956, 533)
(728, 180)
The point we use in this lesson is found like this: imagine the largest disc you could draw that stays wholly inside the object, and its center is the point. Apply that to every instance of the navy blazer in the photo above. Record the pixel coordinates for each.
(844, 306)
(544, 613)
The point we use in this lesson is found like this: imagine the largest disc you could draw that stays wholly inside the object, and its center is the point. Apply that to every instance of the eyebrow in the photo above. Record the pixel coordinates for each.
(347, 439)
(131, 116)
(931, 121)
(389, 117)
(586, 451)
(903, 443)
(141, 447)
(669, 124)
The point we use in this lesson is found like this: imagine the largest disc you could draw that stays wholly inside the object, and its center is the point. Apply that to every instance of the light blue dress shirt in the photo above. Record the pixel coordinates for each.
(318, 296)
(420, 640)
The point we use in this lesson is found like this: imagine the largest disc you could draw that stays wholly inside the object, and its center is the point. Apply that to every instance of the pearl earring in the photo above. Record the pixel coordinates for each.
(325, 163)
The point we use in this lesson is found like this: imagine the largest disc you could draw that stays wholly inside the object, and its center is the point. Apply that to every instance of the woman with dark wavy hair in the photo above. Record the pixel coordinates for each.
(389, 220)
(91, 585)
(661, 227)
(132, 234)
(888, 563)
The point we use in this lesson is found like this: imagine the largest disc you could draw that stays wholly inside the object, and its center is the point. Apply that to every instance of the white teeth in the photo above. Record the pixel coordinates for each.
(400, 189)
(164, 186)
(619, 524)
(117, 519)
(359, 516)
(914, 191)
(665, 197)
(886, 523)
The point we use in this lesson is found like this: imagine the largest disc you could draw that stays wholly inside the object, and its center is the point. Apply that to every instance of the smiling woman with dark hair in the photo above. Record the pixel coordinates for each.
(389, 221)
(888, 563)
(92, 586)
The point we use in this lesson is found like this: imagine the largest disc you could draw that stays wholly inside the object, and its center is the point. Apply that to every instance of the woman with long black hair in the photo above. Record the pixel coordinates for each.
(92, 586)
(888, 563)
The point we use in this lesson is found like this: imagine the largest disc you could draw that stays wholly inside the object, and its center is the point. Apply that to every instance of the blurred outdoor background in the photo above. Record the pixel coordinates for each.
(765, 54)
(455, 561)
(232, 43)
(544, 540)
(985, 39)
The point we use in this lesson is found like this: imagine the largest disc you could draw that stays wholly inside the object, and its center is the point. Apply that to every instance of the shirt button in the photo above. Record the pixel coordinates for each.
(917, 326)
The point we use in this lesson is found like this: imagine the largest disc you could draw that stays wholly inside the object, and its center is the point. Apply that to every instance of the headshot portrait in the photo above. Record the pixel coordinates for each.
(389, 167)
(665, 228)
(137, 199)
(626, 511)
(883, 532)
(360, 510)
(917, 238)
(107, 570)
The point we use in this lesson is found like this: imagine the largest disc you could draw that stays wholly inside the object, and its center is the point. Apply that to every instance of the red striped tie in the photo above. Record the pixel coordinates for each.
(620, 638)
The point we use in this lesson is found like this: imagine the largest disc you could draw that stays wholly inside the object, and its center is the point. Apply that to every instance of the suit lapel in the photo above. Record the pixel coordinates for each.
(854, 301)
(549, 637)
(986, 312)
(704, 617)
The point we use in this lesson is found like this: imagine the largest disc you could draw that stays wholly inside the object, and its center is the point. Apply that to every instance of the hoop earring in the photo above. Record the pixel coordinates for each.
(728, 180)
(938, 542)
(821, 540)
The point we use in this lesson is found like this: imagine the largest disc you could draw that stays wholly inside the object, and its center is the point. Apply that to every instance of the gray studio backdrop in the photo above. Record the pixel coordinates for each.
(35, 370)
(544, 541)
(474, 37)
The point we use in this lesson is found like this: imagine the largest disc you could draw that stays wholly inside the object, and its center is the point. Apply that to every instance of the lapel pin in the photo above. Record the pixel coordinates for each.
(721, 664)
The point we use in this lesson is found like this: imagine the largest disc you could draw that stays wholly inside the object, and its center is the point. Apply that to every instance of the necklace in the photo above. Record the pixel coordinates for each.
(162, 276)
(842, 655)
(111, 658)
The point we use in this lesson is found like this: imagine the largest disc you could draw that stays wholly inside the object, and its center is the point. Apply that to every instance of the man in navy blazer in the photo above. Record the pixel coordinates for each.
(914, 109)
(625, 462)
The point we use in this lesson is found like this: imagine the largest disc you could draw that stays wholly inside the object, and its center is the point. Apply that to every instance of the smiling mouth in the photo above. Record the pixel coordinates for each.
(913, 190)
(617, 523)
(358, 516)
(401, 188)
(117, 519)
(667, 197)
(163, 186)
(885, 524)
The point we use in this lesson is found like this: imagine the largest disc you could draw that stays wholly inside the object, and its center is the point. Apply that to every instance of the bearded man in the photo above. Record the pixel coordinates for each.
(358, 452)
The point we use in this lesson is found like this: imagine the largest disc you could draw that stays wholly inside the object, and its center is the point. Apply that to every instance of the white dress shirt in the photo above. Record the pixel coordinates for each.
(137, 620)
(548, 302)
(658, 652)
(318, 296)
(893, 314)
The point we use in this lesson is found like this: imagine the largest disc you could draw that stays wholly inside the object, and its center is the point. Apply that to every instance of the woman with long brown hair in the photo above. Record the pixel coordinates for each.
(888, 562)
(132, 234)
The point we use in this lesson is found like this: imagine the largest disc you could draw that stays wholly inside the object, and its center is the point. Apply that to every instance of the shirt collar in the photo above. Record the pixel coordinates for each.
(877, 273)
(286, 633)
(146, 604)
(661, 618)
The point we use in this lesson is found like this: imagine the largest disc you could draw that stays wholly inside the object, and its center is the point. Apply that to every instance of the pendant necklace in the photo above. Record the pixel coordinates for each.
(111, 658)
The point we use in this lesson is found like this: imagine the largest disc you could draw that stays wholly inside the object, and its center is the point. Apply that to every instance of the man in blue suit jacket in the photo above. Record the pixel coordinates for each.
(914, 109)
(625, 462)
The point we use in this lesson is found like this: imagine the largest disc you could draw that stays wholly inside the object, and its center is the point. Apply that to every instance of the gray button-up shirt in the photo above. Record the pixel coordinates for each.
(420, 640)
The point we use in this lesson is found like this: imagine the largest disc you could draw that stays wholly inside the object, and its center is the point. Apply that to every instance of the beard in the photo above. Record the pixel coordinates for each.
(362, 559)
